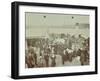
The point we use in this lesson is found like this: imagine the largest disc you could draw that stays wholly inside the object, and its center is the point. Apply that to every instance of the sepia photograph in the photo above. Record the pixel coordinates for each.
(56, 40)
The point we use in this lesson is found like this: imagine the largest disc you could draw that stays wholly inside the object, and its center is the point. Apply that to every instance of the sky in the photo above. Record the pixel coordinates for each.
(39, 19)
(39, 24)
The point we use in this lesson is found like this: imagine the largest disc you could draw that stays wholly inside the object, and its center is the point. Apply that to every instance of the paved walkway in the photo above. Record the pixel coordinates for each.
(75, 61)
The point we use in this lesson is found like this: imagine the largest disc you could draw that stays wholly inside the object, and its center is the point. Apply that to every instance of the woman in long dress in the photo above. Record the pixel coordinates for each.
(30, 61)
(53, 60)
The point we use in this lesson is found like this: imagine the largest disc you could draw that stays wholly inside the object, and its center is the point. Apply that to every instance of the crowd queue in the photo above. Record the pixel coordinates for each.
(56, 50)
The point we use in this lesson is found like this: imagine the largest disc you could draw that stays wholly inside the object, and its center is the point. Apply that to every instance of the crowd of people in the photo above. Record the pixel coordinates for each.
(56, 50)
